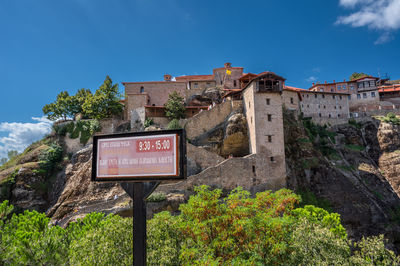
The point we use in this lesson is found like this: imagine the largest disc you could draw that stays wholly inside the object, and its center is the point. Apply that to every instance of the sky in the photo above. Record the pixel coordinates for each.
(49, 46)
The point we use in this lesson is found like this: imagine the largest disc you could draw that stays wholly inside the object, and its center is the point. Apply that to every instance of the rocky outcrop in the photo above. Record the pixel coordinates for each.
(226, 135)
(80, 195)
(207, 97)
(350, 175)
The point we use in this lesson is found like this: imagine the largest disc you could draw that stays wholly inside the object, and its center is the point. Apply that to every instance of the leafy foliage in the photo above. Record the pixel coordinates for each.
(391, 118)
(105, 102)
(320, 136)
(174, 107)
(357, 75)
(211, 230)
(51, 157)
(174, 124)
(148, 122)
(61, 108)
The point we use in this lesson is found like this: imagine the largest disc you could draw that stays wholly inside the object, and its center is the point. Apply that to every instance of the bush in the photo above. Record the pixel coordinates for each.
(157, 197)
(391, 118)
(174, 107)
(174, 124)
(211, 230)
(51, 157)
(148, 122)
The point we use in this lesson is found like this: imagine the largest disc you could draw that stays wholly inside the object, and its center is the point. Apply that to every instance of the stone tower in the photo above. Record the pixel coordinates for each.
(263, 108)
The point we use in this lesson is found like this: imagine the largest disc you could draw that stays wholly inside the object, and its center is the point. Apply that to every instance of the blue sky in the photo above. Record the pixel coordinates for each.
(48, 46)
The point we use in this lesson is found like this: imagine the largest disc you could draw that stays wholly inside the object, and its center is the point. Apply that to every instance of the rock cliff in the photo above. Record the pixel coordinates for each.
(354, 167)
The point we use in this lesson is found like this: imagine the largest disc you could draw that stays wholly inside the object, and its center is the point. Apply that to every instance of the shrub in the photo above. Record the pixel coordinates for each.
(148, 122)
(51, 157)
(157, 197)
(174, 107)
(174, 124)
(391, 118)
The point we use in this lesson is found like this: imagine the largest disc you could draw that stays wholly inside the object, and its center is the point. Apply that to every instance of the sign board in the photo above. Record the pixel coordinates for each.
(140, 156)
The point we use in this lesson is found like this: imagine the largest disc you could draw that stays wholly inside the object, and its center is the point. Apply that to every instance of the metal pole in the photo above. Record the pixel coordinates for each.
(139, 225)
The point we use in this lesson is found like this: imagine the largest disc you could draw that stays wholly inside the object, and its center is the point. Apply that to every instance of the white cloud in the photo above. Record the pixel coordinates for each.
(311, 79)
(21, 135)
(381, 15)
(384, 38)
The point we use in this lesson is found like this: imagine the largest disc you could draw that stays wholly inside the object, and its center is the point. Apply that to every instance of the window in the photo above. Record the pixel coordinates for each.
(319, 114)
(349, 97)
(251, 120)
(364, 95)
(319, 106)
(268, 101)
(221, 82)
(366, 84)
(360, 85)
(335, 106)
(254, 169)
(269, 138)
(333, 97)
(329, 115)
(316, 96)
(324, 107)
(372, 83)
(249, 104)
(272, 159)
(340, 97)
(302, 105)
(332, 90)
(269, 117)
(358, 96)
(141, 89)
(344, 86)
(340, 107)
(234, 83)
(291, 100)
(308, 106)
(307, 95)
(338, 115)
(351, 87)
(373, 94)
(339, 87)
(323, 95)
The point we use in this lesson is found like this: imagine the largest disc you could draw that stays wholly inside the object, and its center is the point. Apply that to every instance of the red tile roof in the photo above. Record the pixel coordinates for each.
(290, 88)
(389, 88)
(195, 78)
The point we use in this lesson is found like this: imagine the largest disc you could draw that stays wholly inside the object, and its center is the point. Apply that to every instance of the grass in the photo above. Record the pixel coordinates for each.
(335, 156)
(354, 147)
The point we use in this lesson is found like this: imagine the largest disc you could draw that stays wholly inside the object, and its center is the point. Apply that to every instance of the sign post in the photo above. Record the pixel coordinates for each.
(140, 161)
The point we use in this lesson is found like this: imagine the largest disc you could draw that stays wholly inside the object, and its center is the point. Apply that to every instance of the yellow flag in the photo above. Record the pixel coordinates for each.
(228, 72)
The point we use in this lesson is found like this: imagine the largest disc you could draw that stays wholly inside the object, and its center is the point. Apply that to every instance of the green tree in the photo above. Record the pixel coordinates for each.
(357, 75)
(105, 102)
(174, 107)
(79, 99)
(61, 108)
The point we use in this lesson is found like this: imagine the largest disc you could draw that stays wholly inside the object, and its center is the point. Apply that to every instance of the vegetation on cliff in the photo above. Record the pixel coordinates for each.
(104, 103)
(238, 229)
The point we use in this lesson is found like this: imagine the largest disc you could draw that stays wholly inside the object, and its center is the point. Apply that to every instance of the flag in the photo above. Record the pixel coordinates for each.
(228, 72)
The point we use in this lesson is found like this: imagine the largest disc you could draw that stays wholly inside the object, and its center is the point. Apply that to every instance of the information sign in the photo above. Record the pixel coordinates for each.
(143, 156)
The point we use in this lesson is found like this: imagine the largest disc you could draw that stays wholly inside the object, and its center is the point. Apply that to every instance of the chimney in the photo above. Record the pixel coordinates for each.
(334, 81)
(167, 77)
(227, 65)
(325, 81)
(313, 83)
(344, 80)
